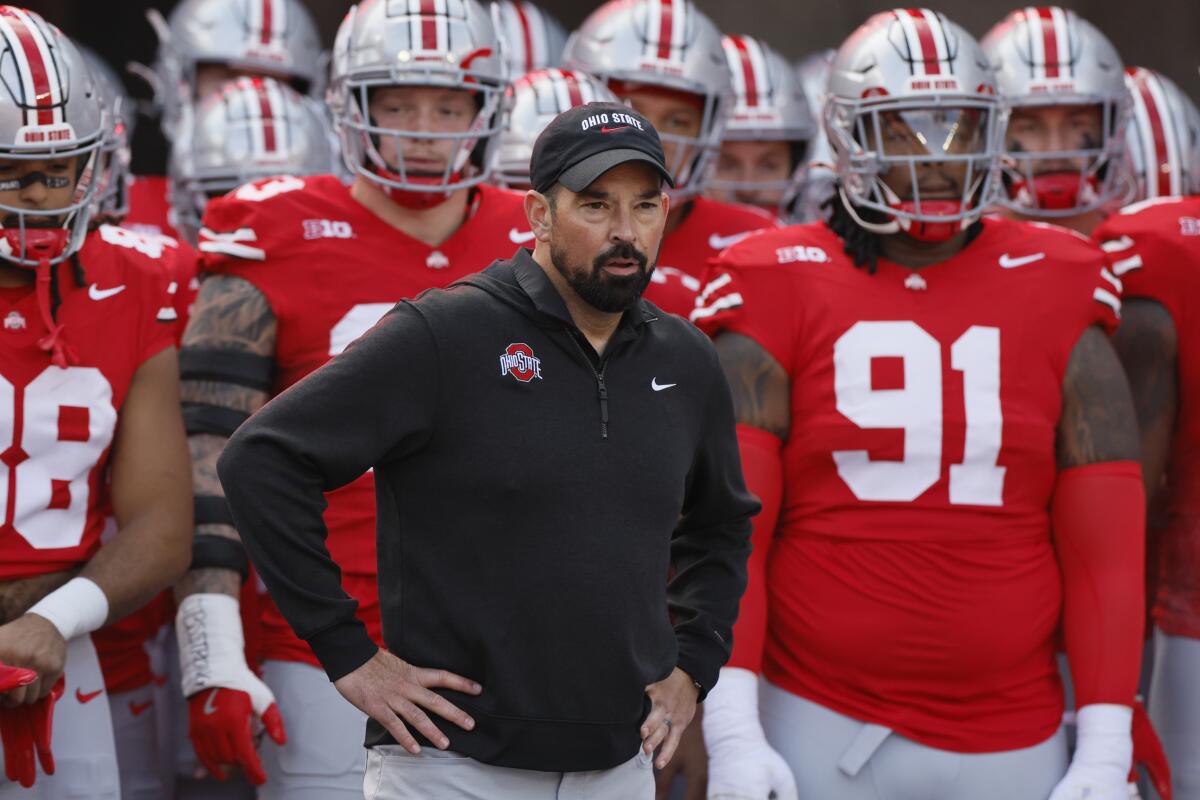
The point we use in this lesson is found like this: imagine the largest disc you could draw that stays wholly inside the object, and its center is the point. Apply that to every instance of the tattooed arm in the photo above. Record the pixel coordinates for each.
(1148, 348)
(230, 314)
(1098, 421)
(760, 386)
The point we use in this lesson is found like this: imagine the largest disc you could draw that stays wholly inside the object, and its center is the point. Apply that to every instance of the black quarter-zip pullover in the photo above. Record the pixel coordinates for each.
(531, 499)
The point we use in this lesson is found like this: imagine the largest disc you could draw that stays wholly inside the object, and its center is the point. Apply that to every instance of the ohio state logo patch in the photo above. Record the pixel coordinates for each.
(519, 361)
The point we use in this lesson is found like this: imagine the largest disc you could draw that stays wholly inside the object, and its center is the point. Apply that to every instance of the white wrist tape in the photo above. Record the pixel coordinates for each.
(731, 708)
(1103, 736)
(76, 608)
(212, 652)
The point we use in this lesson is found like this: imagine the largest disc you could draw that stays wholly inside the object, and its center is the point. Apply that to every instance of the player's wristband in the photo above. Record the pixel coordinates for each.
(76, 608)
(1103, 736)
(211, 647)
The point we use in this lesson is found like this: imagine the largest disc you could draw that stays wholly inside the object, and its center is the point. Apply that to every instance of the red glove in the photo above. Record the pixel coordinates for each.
(26, 732)
(220, 724)
(1148, 752)
(13, 677)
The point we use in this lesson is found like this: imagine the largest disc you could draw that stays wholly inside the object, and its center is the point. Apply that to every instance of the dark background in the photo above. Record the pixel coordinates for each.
(1162, 34)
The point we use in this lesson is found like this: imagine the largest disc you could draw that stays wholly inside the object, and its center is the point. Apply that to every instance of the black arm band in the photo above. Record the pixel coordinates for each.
(211, 510)
(210, 551)
(203, 418)
(227, 366)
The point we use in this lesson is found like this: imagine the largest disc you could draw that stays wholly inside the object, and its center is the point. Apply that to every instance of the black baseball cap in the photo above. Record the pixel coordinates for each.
(582, 143)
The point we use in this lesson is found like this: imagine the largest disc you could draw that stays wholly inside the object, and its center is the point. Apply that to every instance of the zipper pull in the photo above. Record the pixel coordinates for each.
(603, 391)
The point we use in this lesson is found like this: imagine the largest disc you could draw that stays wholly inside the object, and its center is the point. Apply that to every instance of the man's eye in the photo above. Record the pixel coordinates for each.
(596, 205)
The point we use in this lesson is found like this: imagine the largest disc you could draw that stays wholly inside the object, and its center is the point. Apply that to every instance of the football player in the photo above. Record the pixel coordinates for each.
(1063, 83)
(298, 268)
(924, 395)
(533, 39)
(206, 43)
(664, 58)
(1155, 250)
(538, 97)
(91, 427)
(766, 143)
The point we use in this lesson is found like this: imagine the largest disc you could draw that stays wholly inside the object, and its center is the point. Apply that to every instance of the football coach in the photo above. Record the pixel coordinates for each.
(547, 447)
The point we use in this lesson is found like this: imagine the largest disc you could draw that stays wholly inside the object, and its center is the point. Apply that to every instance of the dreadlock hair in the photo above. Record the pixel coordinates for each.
(55, 294)
(864, 246)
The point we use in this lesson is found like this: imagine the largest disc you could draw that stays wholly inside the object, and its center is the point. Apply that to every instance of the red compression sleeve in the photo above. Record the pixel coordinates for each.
(762, 468)
(1099, 518)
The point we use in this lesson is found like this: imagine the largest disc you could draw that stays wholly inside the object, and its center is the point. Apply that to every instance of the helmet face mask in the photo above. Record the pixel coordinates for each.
(380, 46)
(50, 111)
(914, 124)
(1050, 62)
(770, 107)
(915, 162)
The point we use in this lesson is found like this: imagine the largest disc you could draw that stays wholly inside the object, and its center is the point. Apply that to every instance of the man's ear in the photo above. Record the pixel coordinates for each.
(666, 201)
(537, 212)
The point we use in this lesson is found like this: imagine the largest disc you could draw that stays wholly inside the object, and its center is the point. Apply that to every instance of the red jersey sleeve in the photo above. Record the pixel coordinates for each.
(243, 226)
(746, 291)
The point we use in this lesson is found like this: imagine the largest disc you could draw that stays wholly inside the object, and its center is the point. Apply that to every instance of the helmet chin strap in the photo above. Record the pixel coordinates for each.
(415, 201)
(923, 230)
(44, 244)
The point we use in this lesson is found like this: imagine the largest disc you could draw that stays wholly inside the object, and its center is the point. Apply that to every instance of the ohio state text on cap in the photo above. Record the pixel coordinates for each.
(581, 144)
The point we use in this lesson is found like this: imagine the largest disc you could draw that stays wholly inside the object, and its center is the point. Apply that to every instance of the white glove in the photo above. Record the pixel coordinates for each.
(741, 765)
(1103, 755)
(212, 652)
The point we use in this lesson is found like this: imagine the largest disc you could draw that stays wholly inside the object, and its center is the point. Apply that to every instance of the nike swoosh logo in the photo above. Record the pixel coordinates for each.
(138, 708)
(658, 387)
(517, 237)
(614, 130)
(209, 704)
(96, 293)
(1008, 262)
(721, 242)
(89, 696)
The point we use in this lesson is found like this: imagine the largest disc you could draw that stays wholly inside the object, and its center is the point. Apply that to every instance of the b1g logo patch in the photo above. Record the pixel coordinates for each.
(519, 361)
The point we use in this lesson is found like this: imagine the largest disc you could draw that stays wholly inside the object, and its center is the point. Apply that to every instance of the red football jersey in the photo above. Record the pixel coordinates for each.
(149, 206)
(673, 291)
(1155, 249)
(709, 227)
(57, 425)
(330, 269)
(914, 583)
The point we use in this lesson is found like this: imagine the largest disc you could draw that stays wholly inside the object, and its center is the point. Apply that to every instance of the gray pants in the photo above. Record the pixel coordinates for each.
(324, 756)
(85, 757)
(1175, 709)
(135, 730)
(834, 756)
(395, 774)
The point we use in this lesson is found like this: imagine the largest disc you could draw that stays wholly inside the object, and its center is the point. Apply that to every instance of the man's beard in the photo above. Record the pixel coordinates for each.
(609, 293)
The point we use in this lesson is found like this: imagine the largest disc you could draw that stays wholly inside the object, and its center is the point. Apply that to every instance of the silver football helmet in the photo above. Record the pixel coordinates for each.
(451, 43)
(269, 37)
(112, 171)
(1049, 56)
(535, 99)
(910, 90)
(1163, 140)
(534, 39)
(251, 128)
(668, 44)
(50, 107)
(819, 179)
(769, 106)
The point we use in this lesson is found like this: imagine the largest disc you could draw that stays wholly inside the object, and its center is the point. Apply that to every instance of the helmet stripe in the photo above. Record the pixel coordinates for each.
(921, 46)
(526, 34)
(573, 93)
(665, 27)
(266, 117)
(749, 84)
(1161, 178)
(1049, 41)
(30, 65)
(267, 22)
